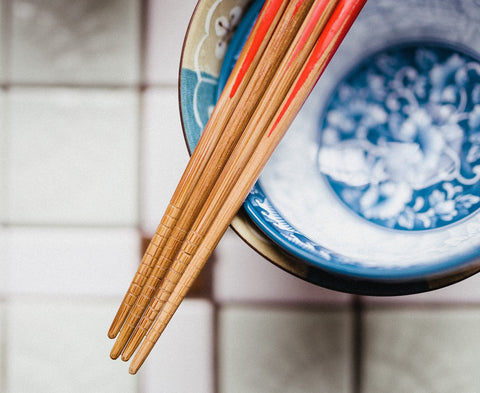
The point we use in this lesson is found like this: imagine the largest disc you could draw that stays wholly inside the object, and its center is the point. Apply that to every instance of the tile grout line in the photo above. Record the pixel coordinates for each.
(215, 375)
(142, 53)
(4, 137)
(3, 346)
(140, 87)
(9, 85)
(357, 344)
(143, 36)
(5, 32)
(216, 328)
(57, 225)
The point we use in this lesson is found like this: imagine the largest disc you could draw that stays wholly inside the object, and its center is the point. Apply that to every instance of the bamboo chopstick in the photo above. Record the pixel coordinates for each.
(335, 31)
(273, 54)
(235, 86)
(285, 75)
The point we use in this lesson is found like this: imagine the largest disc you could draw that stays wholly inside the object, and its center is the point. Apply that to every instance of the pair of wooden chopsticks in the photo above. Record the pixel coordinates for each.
(288, 49)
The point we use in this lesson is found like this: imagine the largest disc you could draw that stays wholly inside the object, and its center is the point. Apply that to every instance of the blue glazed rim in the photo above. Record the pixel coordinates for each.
(334, 264)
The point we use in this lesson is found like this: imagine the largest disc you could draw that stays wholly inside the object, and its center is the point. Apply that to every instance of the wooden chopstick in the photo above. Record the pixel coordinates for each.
(336, 29)
(297, 54)
(273, 54)
(244, 69)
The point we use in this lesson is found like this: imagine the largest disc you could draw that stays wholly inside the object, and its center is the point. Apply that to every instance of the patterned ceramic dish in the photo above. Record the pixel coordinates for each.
(376, 187)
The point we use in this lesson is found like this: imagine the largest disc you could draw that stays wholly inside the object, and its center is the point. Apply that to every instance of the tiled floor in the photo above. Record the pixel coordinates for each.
(90, 151)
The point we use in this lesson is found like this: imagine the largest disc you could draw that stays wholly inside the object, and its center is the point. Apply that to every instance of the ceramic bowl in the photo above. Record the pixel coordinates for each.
(375, 189)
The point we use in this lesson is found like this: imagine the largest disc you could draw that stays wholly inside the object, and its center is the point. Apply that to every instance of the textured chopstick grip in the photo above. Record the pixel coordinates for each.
(169, 282)
(145, 268)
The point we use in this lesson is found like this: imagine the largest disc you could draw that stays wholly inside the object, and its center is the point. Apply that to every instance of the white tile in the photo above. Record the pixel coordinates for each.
(72, 156)
(3, 40)
(167, 24)
(465, 291)
(266, 350)
(4, 262)
(2, 347)
(3, 165)
(243, 275)
(421, 350)
(71, 261)
(60, 346)
(3, 156)
(164, 154)
(182, 359)
(83, 42)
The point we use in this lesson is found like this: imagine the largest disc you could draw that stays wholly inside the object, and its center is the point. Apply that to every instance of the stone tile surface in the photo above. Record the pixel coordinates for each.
(61, 346)
(4, 264)
(71, 261)
(72, 156)
(182, 360)
(85, 42)
(421, 350)
(284, 350)
(164, 154)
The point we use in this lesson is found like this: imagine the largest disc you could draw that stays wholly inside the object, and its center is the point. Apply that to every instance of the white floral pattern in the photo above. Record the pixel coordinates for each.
(224, 28)
(401, 137)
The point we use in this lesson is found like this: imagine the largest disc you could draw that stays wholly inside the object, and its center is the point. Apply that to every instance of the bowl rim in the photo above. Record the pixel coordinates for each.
(378, 281)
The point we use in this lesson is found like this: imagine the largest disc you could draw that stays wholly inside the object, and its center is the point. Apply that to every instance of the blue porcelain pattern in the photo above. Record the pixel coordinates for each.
(196, 107)
(400, 139)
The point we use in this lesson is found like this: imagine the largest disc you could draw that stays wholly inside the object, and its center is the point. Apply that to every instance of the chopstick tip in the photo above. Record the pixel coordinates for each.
(118, 321)
(114, 329)
(128, 352)
(134, 367)
(116, 351)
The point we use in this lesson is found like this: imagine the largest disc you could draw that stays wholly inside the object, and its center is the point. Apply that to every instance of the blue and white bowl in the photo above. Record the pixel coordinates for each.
(375, 189)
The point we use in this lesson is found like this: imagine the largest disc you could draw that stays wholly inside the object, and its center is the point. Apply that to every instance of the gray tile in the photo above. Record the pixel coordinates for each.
(61, 346)
(72, 156)
(3, 40)
(87, 41)
(422, 350)
(284, 350)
